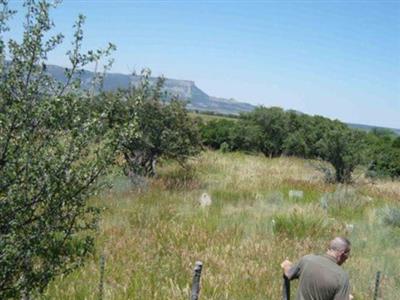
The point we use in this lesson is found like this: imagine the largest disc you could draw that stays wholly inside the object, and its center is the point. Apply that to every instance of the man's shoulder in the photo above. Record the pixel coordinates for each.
(311, 257)
(319, 257)
(309, 260)
(322, 260)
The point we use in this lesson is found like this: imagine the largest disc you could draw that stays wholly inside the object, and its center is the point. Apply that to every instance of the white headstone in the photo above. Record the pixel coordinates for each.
(296, 194)
(349, 228)
(205, 200)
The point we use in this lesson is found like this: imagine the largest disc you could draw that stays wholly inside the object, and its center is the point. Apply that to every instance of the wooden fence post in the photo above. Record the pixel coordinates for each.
(286, 288)
(196, 280)
(101, 280)
(377, 281)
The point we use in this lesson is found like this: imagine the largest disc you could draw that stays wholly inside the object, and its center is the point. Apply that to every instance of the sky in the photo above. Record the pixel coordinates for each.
(339, 59)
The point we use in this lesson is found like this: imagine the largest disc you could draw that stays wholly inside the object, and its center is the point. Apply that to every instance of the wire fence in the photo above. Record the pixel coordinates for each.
(195, 290)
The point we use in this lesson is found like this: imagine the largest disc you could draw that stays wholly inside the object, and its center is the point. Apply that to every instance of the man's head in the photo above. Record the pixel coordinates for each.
(339, 248)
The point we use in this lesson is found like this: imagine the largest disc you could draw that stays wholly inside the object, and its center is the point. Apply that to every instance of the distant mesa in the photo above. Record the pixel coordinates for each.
(183, 89)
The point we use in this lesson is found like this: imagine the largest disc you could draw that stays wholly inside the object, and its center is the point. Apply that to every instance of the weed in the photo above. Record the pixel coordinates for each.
(178, 178)
(345, 202)
(299, 225)
(391, 216)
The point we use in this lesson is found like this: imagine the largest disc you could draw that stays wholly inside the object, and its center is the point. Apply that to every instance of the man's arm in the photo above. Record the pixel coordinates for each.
(291, 271)
(286, 266)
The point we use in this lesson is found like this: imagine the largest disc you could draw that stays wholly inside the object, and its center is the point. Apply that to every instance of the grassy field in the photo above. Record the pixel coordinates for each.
(152, 238)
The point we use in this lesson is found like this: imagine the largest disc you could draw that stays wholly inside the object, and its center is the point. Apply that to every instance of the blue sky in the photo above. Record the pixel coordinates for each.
(339, 59)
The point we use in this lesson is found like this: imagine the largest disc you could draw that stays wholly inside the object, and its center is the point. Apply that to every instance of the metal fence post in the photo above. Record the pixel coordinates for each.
(196, 280)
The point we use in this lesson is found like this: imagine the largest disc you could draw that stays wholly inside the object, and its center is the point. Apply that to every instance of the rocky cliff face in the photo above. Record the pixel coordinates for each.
(183, 89)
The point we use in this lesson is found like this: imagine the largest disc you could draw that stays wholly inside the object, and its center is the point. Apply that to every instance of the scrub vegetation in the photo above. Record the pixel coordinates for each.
(152, 239)
(281, 184)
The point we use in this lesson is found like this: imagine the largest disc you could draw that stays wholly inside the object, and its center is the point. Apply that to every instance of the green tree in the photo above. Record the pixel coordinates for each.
(383, 155)
(217, 132)
(165, 130)
(273, 125)
(245, 136)
(385, 162)
(295, 142)
(48, 161)
(343, 148)
(396, 142)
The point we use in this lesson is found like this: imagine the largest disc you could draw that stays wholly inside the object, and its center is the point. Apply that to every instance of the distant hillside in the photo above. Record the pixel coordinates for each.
(184, 89)
(369, 127)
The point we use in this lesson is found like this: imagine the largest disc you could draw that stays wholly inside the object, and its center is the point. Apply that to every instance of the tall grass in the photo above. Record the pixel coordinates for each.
(299, 225)
(345, 202)
(391, 216)
(151, 239)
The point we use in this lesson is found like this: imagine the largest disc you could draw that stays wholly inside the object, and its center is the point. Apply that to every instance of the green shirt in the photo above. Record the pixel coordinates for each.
(321, 278)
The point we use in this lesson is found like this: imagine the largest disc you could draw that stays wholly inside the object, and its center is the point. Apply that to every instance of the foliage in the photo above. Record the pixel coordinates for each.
(296, 141)
(165, 130)
(383, 155)
(275, 132)
(342, 147)
(217, 132)
(225, 147)
(48, 162)
(272, 123)
(245, 136)
(295, 144)
(386, 162)
(396, 142)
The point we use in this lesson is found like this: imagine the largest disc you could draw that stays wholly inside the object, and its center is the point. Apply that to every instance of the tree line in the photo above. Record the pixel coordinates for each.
(275, 132)
(57, 141)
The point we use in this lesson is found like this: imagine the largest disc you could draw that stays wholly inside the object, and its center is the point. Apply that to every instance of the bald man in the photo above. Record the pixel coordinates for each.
(321, 276)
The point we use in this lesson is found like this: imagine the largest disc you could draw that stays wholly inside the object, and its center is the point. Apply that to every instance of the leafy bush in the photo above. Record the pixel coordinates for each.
(216, 132)
(245, 137)
(385, 163)
(383, 154)
(224, 147)
(49, 161)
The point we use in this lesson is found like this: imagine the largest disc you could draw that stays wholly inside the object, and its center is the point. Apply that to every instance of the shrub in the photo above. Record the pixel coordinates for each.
(49, 161)
(391, 216)
(344, 202)
(216, 132)
(224, 148)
